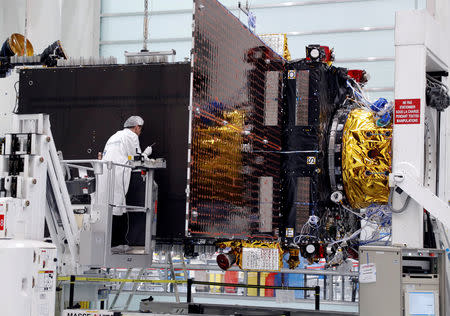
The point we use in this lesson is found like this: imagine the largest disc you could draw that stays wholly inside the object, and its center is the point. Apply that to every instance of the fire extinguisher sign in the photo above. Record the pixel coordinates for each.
(407, 111)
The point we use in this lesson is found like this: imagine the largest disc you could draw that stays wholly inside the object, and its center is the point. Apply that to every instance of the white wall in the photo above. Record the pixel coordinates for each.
(361, 31)
(11, 18)
(79, 33)
(80, 28)
(75, 23)
(44, 20)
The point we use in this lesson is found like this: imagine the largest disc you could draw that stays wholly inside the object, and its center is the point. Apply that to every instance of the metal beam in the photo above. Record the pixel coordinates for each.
(343, 30)
(363, 59)
(423, 196)
(216, 268)
(286, 4)
(151, 40)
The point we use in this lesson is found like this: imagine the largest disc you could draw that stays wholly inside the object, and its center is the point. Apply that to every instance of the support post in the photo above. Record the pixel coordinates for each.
(408, 144)
(317, 297)
(189, 291)
(71, 291)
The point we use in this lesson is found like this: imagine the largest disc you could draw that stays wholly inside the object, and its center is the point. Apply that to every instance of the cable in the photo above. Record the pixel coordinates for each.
(367, 218)
(124, 196)
(16, 106)
(298, 238)
(373, 240)
(359, 95)
(128, 229)
(391, 208)
(437, 82)
(352, 236)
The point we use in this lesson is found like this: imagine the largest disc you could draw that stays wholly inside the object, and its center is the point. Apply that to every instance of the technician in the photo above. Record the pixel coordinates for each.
(118, 148)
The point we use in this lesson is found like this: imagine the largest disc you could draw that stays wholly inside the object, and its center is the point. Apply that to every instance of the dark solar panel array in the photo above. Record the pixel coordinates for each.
(235, 129)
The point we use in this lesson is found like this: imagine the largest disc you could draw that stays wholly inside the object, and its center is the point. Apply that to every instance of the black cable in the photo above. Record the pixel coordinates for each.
(125, 201)
(437, 82)
(16, 106)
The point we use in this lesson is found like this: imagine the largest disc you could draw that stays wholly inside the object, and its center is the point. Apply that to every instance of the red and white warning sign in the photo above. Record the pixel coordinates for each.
(407, 111)
(2, 222)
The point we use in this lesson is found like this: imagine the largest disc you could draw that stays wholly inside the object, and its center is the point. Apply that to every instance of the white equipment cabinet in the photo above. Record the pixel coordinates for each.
(29, 269)
(408, 281)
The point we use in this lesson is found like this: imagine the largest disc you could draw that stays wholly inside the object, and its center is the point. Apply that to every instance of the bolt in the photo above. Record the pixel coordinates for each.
(34, 181)
(48, 139)
(27, 203)
(41, 159)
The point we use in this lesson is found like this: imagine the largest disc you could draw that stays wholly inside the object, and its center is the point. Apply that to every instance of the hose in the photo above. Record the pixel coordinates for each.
(400, 210)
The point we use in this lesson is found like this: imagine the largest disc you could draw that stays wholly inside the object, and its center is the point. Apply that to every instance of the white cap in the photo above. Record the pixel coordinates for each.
(133, 121)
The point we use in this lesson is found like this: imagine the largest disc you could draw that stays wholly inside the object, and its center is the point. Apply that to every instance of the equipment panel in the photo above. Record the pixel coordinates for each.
(88, 104)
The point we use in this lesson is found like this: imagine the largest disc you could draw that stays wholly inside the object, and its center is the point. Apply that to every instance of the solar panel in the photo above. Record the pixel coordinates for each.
(234, 164)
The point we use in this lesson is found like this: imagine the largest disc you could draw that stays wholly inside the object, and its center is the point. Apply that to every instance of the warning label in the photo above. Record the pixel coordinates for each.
(79, 312)
(260, 259)
(2, 222)
(407, 111)
(46, 280)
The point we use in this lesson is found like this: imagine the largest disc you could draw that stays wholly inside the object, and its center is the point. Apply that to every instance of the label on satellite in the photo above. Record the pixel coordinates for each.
(311, 160)
(260, 259)
(407, 111)
(2, 222)
(78, 312)
(289, 232)
(292, 74)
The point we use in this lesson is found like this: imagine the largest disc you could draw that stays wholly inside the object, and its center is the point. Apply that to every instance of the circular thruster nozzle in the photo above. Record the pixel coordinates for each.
(315, 53)
(337, 196)
(225, 260)
(310, 249)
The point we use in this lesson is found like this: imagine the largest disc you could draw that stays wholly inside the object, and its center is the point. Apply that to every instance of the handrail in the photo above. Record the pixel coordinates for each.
(92, 161)
(316, 289)
(80, 167)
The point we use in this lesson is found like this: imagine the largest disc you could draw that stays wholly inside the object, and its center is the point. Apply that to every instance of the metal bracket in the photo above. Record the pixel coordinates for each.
(422, 195)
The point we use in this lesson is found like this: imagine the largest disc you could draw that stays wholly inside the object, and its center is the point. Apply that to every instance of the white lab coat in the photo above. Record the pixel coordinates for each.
(119, 146)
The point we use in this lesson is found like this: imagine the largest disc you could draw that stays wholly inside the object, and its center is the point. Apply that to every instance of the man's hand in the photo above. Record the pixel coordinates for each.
(147, 152)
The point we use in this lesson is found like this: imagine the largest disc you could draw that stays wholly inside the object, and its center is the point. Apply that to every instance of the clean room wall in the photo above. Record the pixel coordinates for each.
(44, 21)
(80, 28)
(361, 31)
(79, 33)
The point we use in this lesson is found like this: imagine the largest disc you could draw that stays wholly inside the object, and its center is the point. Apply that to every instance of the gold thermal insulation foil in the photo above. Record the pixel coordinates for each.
(238, 245)
(366, 159)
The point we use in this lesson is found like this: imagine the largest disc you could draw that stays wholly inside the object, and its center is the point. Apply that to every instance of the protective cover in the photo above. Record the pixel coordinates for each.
(366, 159)
(313, 92)
(235, 131)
